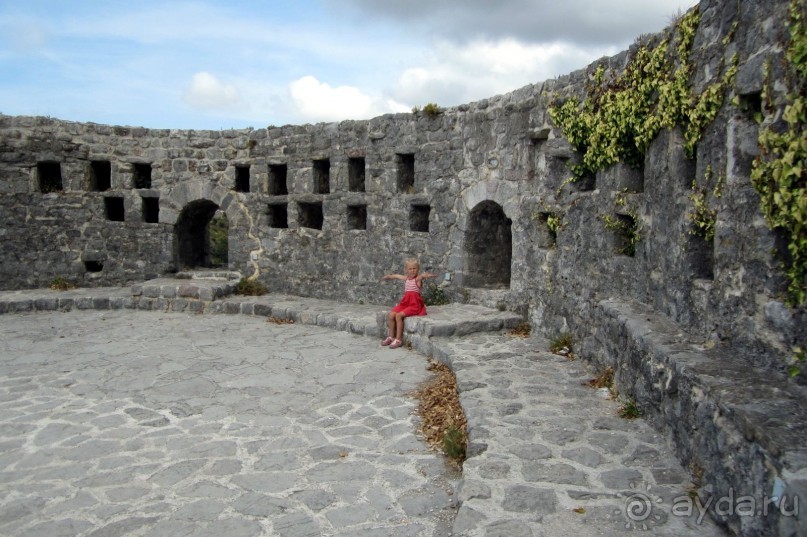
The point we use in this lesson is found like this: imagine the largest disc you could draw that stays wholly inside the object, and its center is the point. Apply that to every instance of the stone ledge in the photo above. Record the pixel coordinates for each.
(745, 428)
(451, 320)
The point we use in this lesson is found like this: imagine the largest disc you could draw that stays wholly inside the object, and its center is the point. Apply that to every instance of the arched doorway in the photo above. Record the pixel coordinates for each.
(192, 235)
(488, 247)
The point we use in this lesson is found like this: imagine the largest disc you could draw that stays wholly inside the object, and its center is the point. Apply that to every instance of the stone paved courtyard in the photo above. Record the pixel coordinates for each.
(146, 422)
(167, 424)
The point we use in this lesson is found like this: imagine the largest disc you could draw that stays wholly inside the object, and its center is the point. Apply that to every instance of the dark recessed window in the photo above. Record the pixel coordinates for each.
(277, 179)
(322, 176)
(406, 172)
(151, 210)
(93, 266)
(277, 215)
(114, 209)
(419, 218)
(49, 177)
(357, 217)
(142, 175)
(242, 178)
(355, 174)
(100, 175)
(310, 215)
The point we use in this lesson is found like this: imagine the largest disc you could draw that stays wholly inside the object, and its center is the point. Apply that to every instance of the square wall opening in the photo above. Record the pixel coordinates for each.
(419, 218)
(405, 163)
(100, 175)
(49, 177)
(625, 233)
(242, 178)
(277, 179)
(142, 175)
(322, 176)
(114, 209)
(356, 174)
(93, 266)
(277, 214)
(310, 215)
(151, 210)
(357, 217)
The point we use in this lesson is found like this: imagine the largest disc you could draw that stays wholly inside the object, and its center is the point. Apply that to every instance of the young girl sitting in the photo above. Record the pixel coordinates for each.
(410, 305)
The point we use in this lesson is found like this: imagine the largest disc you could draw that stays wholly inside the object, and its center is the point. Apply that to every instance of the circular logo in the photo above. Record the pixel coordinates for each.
(638, 507)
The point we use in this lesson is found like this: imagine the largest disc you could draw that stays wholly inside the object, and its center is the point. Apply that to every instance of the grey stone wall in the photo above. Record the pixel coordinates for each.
(423, 178)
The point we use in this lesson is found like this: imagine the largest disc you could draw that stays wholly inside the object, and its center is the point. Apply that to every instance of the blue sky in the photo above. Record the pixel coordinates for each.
(203, 64)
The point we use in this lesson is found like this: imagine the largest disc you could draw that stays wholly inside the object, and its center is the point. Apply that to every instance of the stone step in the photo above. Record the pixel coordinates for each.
(210, 274)
(205, 288)
(215, 296)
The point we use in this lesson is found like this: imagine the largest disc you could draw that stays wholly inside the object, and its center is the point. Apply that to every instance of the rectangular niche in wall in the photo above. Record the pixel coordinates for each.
(277, 214)
(357, 217)
(142, 175)
(114, 209)
(277, 179)
(700, 255)
(100, 175)
(405, 163)
(93, 266)
(242, 178)
(625, 233)
(49, 177)
(355, 174)
(549, 223)
(310, 214)
(151, 210)
(322, 176)
(419, 218)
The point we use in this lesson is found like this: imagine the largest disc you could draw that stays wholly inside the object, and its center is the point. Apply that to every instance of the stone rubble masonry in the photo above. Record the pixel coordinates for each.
(431, 185)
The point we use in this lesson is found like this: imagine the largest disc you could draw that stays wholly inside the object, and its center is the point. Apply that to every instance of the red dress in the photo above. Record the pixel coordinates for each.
(411, 304)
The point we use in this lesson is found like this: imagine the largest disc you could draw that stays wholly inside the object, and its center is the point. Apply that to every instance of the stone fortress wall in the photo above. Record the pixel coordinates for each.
(325, 210)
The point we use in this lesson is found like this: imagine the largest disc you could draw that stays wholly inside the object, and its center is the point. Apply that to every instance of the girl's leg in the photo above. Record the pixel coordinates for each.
(391, 325)
(399, 325)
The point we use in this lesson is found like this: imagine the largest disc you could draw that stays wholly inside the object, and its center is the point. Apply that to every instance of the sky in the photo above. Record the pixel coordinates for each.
(205, 64)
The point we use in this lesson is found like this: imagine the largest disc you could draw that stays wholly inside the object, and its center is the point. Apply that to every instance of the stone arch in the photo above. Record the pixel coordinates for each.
(190, 207)
(488, 249)
(192, 235)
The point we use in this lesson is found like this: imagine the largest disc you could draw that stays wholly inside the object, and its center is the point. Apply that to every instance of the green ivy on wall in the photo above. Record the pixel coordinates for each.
(621, 115)
(780, 172)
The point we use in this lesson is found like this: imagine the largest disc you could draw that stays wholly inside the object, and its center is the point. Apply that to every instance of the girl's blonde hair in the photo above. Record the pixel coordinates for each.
(412, 261)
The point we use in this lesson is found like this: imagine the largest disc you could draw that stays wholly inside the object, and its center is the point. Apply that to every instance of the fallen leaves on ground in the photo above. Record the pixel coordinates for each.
(278, 320)
(440, 409)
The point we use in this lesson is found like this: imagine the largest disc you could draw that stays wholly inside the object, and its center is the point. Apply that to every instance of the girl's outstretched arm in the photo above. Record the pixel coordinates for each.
(393, 277)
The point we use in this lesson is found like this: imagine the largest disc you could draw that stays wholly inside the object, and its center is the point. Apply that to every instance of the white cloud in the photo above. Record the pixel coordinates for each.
(454, 74)
(207, 92)
(318, 101)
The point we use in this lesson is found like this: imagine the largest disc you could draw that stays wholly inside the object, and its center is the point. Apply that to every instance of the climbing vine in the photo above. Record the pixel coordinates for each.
(703, 216)
(779, 174)
(622, 114)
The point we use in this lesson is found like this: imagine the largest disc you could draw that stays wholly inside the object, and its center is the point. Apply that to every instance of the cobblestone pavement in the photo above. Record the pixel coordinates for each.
(170, 424)
(121, 422)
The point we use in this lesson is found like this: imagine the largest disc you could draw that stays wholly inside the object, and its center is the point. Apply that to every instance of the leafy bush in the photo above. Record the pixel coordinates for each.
(434, 295)
(250, 288)
(562, 341)
(61, 284)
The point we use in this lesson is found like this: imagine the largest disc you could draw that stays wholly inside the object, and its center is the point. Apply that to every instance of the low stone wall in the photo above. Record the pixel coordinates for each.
(741, 433)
